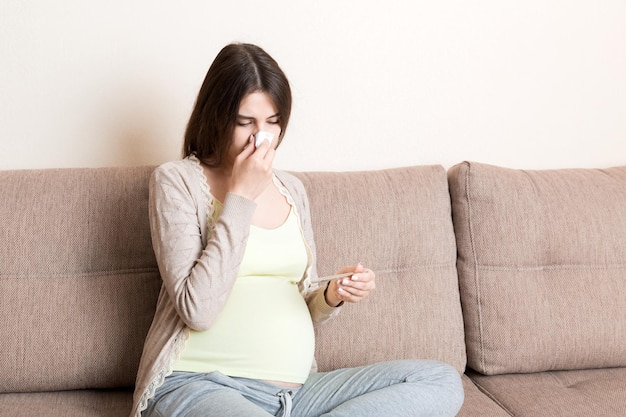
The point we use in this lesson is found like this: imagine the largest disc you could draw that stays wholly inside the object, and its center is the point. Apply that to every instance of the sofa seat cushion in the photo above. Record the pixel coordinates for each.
(581, 393)
(398, 223)
(542, 267)
(88, 403)
(477, 404)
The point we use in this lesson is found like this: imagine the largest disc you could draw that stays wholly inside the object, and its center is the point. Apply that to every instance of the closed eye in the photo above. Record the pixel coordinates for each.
(249, 120)
(273, 119)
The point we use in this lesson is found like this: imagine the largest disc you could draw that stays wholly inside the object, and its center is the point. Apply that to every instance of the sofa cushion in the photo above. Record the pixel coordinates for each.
(477, 404)
(581, 393)
(78, 278)
(84, 403)
(397, 222)
(542, 266)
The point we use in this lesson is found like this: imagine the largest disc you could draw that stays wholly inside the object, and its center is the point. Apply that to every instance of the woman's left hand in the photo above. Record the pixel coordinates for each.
(351, 289)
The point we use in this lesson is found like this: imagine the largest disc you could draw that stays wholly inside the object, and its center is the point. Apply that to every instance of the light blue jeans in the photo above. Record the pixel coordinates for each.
(399, 388)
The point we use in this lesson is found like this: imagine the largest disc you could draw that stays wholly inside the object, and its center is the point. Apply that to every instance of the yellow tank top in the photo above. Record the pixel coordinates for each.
(265, 330)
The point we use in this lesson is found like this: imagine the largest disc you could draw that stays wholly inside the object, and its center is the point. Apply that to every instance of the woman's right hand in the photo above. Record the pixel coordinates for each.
(252, 170)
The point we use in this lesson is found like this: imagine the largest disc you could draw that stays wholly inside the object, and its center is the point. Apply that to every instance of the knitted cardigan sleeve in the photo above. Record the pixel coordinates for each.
(198, 278)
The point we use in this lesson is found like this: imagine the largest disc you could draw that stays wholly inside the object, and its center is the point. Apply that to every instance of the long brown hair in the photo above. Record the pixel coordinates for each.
(238, 69)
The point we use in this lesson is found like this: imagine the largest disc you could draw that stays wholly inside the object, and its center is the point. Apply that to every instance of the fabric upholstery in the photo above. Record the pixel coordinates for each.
(83, 403)
(581, 393)
(540, 259)
(396, 222)
(78, 279)
(541, 262)
(478, 404)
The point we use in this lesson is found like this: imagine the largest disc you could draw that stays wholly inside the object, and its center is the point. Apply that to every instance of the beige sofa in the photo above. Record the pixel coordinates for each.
(517, 278)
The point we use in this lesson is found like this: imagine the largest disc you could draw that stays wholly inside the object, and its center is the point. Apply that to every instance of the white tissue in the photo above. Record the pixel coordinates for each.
(261, 136)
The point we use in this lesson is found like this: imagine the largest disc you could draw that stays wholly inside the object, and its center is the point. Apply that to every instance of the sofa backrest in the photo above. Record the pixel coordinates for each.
(398, 223)
(78, 278)
(542, 266)
(79, 282)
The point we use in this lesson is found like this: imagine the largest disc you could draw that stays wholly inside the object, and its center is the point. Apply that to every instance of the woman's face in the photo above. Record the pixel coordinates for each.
(256, 112)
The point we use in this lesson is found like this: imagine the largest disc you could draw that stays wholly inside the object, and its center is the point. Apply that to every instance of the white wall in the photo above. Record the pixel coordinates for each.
(528, 84)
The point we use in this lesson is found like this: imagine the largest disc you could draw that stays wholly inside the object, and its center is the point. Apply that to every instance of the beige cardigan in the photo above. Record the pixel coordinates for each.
(199, 259)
